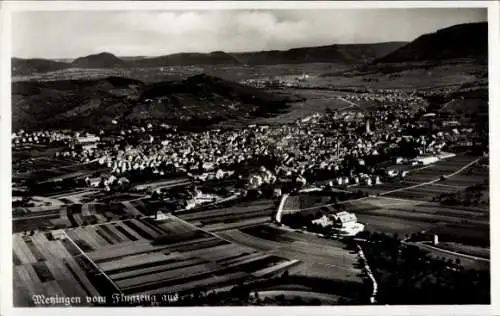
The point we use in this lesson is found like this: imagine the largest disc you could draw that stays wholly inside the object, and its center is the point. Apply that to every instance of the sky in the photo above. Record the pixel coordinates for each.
(71, 34)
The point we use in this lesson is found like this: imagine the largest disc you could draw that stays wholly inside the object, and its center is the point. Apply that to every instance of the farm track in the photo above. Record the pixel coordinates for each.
(454, 253)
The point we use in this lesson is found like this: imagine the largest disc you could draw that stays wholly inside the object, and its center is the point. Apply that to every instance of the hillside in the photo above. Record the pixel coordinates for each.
(358, 53)
(30, 66)
(102, 60)
(459, 41)
(63, 103)
(350, 53)
(185, 59)
(198, 100)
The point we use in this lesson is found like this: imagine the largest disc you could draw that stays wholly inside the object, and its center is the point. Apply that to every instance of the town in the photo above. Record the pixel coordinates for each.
(151, 173)
(345, 174)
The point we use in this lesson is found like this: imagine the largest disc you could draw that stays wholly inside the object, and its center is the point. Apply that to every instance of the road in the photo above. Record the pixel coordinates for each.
(422, 244)
(198, 228)
(351, 104)
(373, 298)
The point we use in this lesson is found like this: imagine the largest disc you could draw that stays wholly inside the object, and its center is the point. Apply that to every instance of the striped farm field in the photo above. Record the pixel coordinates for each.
(294, 246)
(121, 250)
(237, 216)
(227, 213)
(195, 244)
(193, 274)
(164, 276)
(73, 215)
(254, 221)
(46, 267)
(230, 218)
(147, 259)
(220, 252)
(164, 254)
(213, 281)
(126, 232)
(114, 235)
(170, 262)
(235, 210)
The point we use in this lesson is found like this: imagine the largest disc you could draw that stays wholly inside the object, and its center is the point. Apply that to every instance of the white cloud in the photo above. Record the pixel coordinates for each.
(72, 34)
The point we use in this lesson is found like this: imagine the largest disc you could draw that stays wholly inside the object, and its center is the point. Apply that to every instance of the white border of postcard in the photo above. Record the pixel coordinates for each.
(6, 7)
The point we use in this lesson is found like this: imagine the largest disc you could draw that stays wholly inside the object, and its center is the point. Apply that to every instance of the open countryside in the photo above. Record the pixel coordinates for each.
(346, 174)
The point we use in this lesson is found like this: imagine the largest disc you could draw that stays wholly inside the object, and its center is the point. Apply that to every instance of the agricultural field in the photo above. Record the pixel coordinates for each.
(66, 216)
(138, 256)
(48, 168)
(305, 201)
(241, 215)
(23, 219)
(155, 74)
(424, 192)
(425, 183)
(404, 75)
(23, 164)
(321, 258)
(467, 225)
(27, 158)
(48, 267)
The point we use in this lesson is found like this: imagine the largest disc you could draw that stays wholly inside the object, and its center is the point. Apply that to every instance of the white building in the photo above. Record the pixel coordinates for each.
(342, 223)
(89, 138)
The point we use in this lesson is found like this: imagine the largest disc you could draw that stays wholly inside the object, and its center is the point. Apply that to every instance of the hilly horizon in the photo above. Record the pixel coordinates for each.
(337, 53)
(458, 41)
